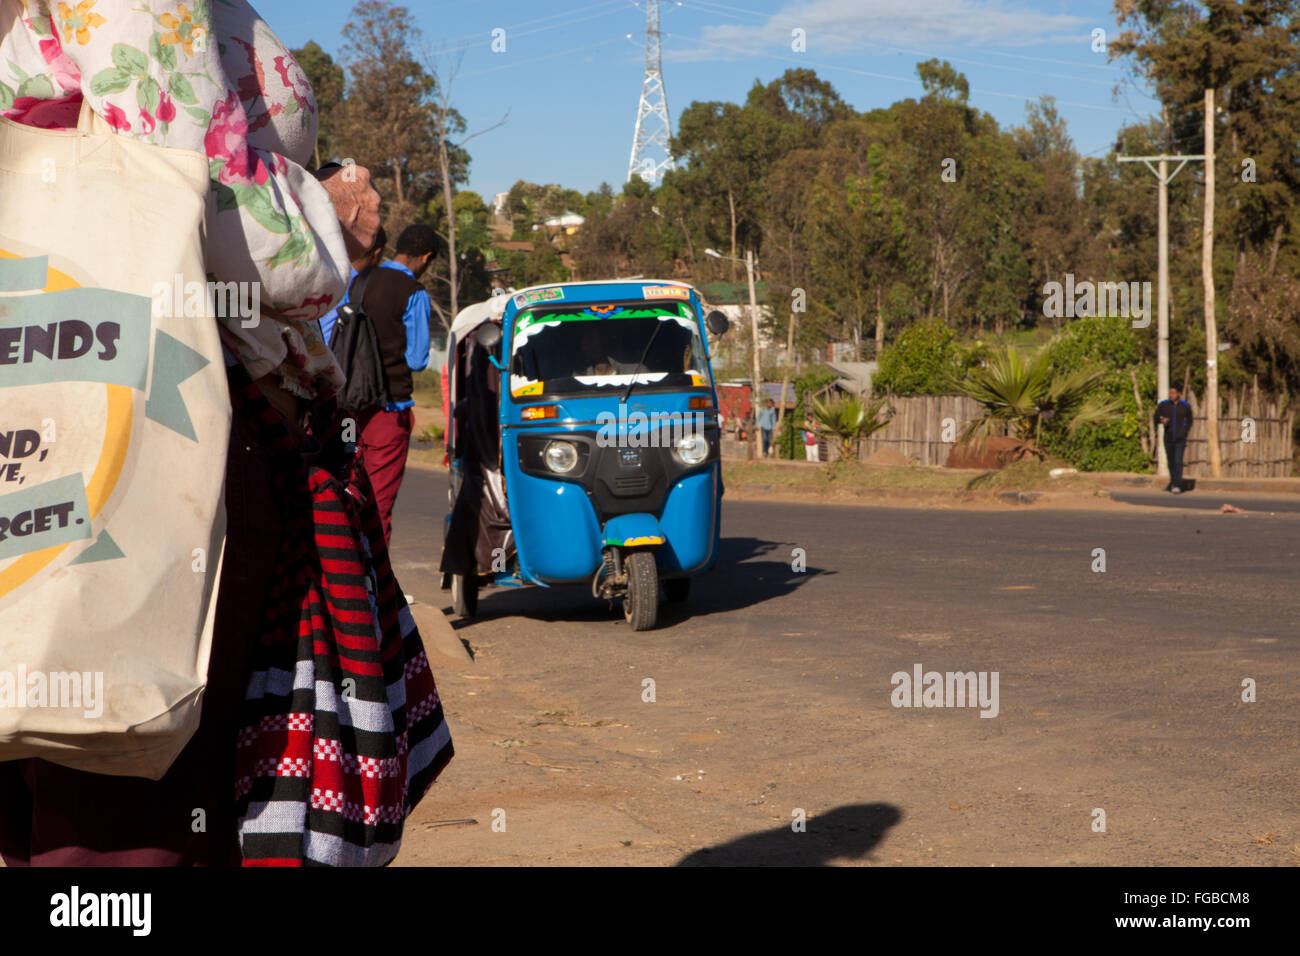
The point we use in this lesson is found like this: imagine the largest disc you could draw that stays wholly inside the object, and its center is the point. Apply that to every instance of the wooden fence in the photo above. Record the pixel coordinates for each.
(918, 428)
(1255, 433)
(1244, 415)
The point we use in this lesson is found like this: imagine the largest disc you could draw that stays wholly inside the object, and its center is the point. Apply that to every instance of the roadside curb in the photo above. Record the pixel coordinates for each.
(1276, 486)
(905, 496)
(438, 634)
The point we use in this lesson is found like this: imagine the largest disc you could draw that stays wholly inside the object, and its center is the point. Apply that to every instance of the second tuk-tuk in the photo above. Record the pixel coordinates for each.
(583, 443)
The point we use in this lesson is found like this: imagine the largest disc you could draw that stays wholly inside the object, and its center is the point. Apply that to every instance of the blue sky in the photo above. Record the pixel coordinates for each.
(571, 73)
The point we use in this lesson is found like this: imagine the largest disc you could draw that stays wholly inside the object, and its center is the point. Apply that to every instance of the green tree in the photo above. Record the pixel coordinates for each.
(386, 122)
(926, 359)
(1054, 222)
(540, 265)
(326, 78)
(1246, 51)
(473, 242)
(1121, 443)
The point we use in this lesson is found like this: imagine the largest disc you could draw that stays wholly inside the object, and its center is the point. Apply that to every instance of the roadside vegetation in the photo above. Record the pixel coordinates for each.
(1019, 476)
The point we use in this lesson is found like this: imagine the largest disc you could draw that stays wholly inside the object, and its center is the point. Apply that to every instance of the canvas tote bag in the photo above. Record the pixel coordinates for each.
(114, 420)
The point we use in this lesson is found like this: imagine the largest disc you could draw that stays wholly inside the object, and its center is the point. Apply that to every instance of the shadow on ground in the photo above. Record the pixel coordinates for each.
(739, 579)
(845, 833)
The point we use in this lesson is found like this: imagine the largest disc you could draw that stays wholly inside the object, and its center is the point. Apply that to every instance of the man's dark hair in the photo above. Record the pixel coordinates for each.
(381, 240)
(416, 240)
(1176, 388)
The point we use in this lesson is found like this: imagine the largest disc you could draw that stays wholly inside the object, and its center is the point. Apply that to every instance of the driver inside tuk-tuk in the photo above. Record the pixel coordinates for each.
(594, 356)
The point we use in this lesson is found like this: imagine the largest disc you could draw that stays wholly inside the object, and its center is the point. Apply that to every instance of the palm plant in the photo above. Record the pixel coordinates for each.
(849, 419)
(1020, 394)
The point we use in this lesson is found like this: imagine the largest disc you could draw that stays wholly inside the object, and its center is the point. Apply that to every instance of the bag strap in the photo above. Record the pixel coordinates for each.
(91, 123)
(357, 290)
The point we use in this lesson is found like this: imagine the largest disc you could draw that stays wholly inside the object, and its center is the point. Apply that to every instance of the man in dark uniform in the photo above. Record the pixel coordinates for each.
(1176, 415)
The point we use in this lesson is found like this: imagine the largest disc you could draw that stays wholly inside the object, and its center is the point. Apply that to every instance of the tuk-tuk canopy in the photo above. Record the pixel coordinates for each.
(472, 316)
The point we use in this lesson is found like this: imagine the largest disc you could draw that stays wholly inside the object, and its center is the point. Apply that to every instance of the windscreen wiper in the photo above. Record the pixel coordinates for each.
(659, 324)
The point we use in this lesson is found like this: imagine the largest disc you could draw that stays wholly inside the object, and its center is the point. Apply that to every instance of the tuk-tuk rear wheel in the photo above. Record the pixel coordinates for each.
(464, 595)
(641, 600)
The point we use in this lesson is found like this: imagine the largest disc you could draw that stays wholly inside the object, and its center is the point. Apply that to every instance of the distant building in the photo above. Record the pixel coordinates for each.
(854, 377)
(568, 223)
(513, 245)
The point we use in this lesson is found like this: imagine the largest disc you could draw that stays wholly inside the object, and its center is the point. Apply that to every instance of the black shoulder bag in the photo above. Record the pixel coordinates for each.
(356, 346)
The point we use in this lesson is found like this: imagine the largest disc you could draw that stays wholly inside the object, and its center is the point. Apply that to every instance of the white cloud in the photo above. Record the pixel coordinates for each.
(847, 26)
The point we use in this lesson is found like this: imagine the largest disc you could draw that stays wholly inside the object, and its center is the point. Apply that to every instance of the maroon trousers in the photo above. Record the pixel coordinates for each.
(385, 441)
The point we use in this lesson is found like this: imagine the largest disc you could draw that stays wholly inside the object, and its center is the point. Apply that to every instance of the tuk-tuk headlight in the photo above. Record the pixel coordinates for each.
(693, 448)
(560, 456)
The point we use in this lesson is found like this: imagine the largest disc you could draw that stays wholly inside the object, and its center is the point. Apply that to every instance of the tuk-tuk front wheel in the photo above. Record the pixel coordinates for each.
(641, 600)
(464, 595)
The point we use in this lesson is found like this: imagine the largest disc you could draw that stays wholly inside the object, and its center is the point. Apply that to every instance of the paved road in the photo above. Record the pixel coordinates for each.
(1119, 691)
(1211, 500)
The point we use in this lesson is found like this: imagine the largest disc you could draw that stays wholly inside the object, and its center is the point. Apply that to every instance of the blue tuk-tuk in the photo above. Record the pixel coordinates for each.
(583, 443)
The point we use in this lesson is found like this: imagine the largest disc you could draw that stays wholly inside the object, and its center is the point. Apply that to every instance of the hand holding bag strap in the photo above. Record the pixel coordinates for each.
(90, 122)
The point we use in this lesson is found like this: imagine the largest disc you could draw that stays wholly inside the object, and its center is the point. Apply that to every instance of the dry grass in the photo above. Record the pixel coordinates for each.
(841, 475)
(1031, 476)
(1021, 476)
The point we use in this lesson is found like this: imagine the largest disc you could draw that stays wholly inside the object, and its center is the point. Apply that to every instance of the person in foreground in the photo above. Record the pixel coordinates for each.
(224, 85)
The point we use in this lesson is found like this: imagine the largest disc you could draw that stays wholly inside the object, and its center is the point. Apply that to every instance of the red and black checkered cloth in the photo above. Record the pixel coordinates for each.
(343, 730)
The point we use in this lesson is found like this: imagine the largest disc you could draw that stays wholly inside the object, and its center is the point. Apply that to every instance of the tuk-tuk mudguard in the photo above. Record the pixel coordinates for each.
(556, 532)
(634, 531)
(692, 506)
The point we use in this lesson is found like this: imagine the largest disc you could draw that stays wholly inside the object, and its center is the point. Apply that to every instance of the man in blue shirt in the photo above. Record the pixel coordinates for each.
(398, 306)
(371, 258)
(766, 423)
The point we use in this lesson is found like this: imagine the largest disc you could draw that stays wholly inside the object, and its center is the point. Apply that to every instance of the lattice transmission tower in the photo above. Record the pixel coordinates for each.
(650, 156)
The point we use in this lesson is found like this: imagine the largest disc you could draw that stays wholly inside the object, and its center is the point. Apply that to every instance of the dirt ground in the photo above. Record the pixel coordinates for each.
(1120, 692)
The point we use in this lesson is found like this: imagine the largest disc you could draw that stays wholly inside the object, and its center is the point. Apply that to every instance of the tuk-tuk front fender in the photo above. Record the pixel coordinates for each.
(636, 530)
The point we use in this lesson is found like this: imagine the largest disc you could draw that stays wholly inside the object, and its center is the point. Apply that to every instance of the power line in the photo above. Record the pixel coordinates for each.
(1043, 59)
(527, 23)
(514, 34)
(544, 56)
(885, 76)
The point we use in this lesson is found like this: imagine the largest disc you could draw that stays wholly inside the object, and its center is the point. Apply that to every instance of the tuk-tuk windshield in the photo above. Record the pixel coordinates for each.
(584, 348)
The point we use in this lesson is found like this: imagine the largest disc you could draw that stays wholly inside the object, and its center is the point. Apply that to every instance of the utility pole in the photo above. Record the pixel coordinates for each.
(652, 130)
(756, 365)
(755, 447)
(1207, 279)
(1164, 177)
(785, 376)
